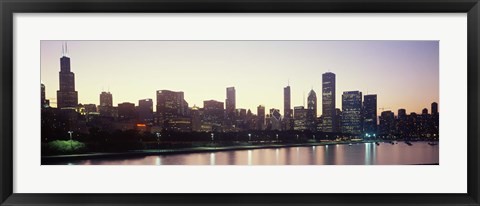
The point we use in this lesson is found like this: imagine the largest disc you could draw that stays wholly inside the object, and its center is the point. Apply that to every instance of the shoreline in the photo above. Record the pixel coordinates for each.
(140, 153)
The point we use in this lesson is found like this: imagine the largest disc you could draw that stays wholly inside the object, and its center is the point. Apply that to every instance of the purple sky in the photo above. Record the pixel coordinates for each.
(404, 74)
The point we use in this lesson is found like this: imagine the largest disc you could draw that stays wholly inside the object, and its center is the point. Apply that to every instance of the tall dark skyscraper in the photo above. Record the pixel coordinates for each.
(312, 111)
(145, 110)
(66, 95)
(434, 108)
(338, 120)
(413, 124)
(328, 102)
(196, 119)
(352, 112)
(44, 102)
(106, 99)
(42, 95)
(370, 114)
(402, 113)
(260, 117)
(402, 121)
(425, 122)
(230, 105)
(387, 123)
(241, 119)
(435, 119)
(106, 104)
(287, 109)
(287, 102)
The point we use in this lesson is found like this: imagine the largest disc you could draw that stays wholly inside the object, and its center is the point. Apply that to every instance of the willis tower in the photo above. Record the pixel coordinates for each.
(67, 97)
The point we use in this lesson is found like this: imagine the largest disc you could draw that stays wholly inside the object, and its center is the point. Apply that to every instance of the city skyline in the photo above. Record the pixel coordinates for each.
(420, 92)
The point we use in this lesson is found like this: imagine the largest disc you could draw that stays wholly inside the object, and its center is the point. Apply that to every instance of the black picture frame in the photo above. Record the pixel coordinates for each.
(10, 7)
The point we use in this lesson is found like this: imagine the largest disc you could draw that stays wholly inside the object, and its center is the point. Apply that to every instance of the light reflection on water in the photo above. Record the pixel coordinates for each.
(355, 154)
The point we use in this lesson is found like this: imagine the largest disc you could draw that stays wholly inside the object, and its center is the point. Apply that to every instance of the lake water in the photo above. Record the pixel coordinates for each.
(340, 154)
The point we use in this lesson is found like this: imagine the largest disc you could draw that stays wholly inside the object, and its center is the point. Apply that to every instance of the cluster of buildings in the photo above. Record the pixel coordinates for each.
(358, 115)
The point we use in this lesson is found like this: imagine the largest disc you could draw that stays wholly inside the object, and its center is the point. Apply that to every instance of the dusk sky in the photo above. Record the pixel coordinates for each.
(403, 74)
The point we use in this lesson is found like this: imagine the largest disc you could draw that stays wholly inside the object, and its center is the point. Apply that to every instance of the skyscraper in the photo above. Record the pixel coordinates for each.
(434, 108)
(370, 114)
(261, 117)
(328, 102)
(106, 99)
(251, 120)
(213, 114)
(413, 125)
(435, 120)
(44, 102)
(126, 111)
(424, 111)
(338, 120)
(145, 110)
(66, 95)
(230, 106)
(387, 123)
(312, 111)
(300, 118)
(170, 104)
(425, 123)
(275, 119)
(287, 109)
(196, 119)
(352, 112)
(241, 118)
(402, 121)
(42, 95)
(106, 104)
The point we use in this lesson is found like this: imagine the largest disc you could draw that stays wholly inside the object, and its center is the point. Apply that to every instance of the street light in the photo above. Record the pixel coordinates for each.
(277, 137)
(158, 139)
(213, 135)
(249, 137)
(71, 143)
(70, 132)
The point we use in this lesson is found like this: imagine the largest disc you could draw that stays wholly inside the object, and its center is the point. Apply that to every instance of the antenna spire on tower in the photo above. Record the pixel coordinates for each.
(63, 50)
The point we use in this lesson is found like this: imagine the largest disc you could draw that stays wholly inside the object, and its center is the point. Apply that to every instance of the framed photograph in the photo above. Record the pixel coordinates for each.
(239, 102)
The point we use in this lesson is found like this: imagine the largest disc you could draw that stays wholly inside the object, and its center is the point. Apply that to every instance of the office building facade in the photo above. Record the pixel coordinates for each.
(370, 114)
(328, 102)
(352, 112)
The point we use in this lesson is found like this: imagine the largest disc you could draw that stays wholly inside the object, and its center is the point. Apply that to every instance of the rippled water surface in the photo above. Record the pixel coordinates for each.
(342, 154)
